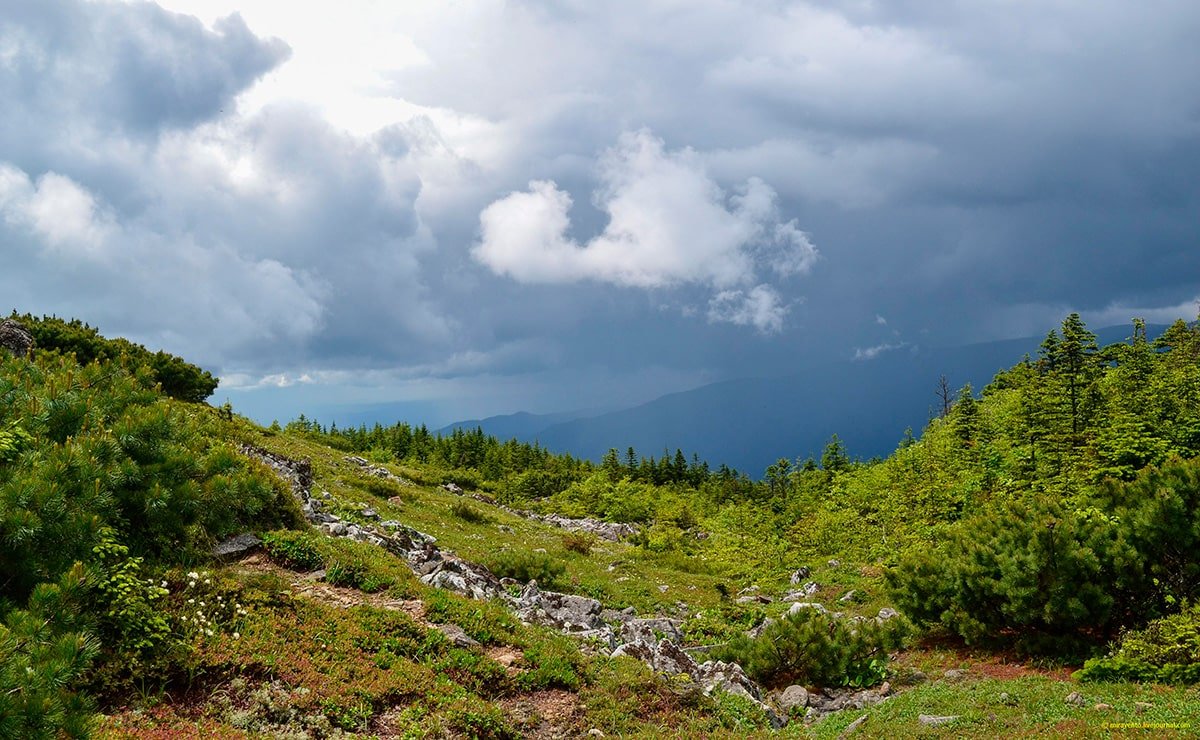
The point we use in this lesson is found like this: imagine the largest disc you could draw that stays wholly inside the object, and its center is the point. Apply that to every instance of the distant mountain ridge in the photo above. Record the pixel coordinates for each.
(750, 423)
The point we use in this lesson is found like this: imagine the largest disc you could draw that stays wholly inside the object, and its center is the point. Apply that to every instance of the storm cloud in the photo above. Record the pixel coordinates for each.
(492, 206)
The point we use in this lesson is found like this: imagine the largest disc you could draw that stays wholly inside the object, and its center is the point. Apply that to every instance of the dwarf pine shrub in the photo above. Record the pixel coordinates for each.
(812, 647)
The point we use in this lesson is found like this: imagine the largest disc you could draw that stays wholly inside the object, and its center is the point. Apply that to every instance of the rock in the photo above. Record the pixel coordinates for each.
(853, 727)
(396, 501)
(834, 563)
(805, 591)
(852, 596)
(955, 674)
(792, 698)
(1102, 707)
(595, 732)
(453, 488)
(931, 720)
(886, 613)
(756, 631)
(457, 635)
(370, 514)
(504, 528)
(885, 688)
(753, 599)
(651, 630)
(727, 677)
(912, 678)
(799, 605)
(338, 529)
(799, 575)
(1007, 699)
(670, 659)
(1076, 699)
(662, 589)
(234, 547)
(15, 338)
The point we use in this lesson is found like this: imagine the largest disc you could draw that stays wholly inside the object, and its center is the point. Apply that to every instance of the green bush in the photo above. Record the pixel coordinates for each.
(528, 566)
(296, 549)
(554, 662)
(580, 542)
(1053, 578)
(466, 512)
(489, 622)
(811, 647)
(42, 659)
(1167, 650)
(178, 379)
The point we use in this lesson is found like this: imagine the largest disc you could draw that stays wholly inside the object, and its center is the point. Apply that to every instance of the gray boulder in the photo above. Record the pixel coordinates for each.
(15, 338)
(792, 698)
(236, 546)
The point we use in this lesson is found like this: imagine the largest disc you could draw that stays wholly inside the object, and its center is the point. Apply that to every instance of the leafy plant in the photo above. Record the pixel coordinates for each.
(808, 646)
(468, 513)
(1166, 650)
(527, 566)
(580, 542)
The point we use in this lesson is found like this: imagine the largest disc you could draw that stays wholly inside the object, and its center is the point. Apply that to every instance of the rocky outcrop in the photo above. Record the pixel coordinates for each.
(15, 338)
(654, 641)
(377, 470)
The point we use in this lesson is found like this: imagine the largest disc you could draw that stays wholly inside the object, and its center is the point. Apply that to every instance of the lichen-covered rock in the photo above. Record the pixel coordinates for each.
(15, 338)
(236, 546)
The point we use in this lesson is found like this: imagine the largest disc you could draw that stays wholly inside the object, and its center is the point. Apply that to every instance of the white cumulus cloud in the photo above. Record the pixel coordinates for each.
(669, 224)
(760, 307)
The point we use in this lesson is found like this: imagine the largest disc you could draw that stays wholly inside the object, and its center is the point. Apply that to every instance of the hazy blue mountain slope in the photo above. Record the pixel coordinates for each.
(750, 423)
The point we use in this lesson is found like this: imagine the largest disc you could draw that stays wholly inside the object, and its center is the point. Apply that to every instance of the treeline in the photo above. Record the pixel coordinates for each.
(489, 461)
(177, 377)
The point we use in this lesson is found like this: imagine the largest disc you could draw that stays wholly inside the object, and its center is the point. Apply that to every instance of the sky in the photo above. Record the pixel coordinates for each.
(461, 208)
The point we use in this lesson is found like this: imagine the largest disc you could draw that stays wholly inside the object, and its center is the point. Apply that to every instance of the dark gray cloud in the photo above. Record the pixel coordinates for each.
(968, 170)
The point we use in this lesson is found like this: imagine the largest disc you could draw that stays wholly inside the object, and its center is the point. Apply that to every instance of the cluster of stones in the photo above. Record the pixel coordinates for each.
(611, 531)
(377, 470)
(654, 641)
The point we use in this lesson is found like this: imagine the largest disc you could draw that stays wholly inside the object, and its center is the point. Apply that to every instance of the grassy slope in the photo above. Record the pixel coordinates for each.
(550, 689)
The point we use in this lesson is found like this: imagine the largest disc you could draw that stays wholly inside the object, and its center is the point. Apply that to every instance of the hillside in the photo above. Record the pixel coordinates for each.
(176, 570)
(750, 423)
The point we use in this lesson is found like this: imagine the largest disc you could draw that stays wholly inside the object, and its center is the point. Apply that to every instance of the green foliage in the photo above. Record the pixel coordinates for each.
(554, 662)
(1166, 650)
(488, 622)
(366, 567)
(739, 712)
(130, 620)
(298, 550)
(811, 647)
(579, 542)
(462, 510)
(104, 449)
(528, 566)
(178, 379)
(39, 667)
(1053, 578)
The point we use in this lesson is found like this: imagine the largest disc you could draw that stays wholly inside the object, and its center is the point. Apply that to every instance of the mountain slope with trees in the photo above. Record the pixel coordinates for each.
(1055, 513)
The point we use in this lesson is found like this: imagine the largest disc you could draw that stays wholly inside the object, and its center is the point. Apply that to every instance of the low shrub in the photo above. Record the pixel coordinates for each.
(486, 621)
(1166, 651)
(295, 549)
(812, 647)
(554, 662)
(528, 566)
(466, 512)
(580, 542)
